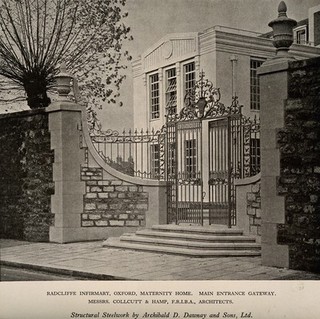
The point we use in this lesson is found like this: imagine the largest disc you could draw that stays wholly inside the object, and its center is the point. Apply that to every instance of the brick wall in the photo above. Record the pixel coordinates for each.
(299, 180)
(25, 176)
(112, 203)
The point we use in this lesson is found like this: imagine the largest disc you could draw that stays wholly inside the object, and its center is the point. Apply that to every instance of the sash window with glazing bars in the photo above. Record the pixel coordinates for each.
(189, 77)
(255, 157)
(154, 96)
(190, 158)
(300, 35)
(171, 91)
(155, 160)
(254, 84)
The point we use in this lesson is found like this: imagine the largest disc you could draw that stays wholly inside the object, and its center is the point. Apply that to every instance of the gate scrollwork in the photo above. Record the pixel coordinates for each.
(203, 102)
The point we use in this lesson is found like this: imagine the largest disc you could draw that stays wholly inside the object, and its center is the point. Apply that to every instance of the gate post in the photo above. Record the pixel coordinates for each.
(273, 81)
(67, 201)
(274, 92)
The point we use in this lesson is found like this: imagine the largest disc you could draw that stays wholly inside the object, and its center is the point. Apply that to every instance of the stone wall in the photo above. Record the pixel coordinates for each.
(299, 181)
(248, 205)
(54, 185)
(92, 199)
(112, 202)
(254, 209)
(25, 176)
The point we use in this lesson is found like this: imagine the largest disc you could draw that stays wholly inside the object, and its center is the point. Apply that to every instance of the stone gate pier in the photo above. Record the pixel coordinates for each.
(92, 200)
(290, 154)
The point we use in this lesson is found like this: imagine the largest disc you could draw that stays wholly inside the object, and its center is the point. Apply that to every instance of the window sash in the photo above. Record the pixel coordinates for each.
(155, 160)
(189, 77)
(301, 36)
(254, 84)
(190, 154)
(171, 91)
(255, 155)
(154, 96)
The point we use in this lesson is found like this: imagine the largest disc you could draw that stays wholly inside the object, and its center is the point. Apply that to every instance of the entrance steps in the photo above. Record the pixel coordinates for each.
(212, 241)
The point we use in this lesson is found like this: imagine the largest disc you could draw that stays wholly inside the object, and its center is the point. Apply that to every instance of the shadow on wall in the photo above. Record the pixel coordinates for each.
(26, 181)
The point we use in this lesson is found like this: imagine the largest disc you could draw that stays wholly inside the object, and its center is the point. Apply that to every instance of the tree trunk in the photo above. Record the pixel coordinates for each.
(36, 90)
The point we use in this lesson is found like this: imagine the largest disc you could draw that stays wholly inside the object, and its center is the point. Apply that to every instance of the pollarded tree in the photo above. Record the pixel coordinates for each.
(37, 35)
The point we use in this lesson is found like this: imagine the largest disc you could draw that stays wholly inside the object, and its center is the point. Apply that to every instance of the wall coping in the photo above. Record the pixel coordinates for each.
(247, 180)
(275, 65)
(73, 107)
(306, 63)
(24, 113)
(279, 64)
(64, 106)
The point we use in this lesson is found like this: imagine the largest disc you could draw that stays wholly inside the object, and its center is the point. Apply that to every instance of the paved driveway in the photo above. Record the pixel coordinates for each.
(90, 259)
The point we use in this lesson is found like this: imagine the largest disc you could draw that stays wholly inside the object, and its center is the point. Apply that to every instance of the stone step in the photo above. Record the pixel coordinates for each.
(220, 230)
(116, 243)
(189, 244)
(195, 237)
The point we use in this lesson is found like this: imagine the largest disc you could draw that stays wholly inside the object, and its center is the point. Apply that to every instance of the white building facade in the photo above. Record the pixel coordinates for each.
(229, 58)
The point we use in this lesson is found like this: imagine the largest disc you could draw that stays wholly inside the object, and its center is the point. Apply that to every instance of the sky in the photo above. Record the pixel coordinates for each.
(150, 20)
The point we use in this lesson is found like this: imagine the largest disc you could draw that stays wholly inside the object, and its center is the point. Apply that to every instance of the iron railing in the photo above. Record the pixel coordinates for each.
(135, 153)
(143, 153)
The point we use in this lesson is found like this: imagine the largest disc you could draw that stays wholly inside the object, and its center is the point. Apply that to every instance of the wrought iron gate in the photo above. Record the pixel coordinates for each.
(184, 171)
(200, 151)
(206, 150)
(220, 179)
(226, 163)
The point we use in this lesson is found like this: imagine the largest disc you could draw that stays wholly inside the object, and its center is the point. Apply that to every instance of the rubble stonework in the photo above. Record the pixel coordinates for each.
(299, 181)
(111, 203)
(254, 209)
(26, 181)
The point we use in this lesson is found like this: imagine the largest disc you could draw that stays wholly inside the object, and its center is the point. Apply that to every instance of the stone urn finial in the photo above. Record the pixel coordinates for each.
(282, 31)
(63, 81)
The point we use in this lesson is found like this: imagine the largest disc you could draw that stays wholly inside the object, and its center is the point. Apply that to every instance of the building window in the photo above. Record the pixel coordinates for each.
(190, 158)
(255, 157)
(301, 36)
(155, 160)
(254, 84)
(189, 74)
(171, 159)
(171, 91)
(316, 28)
(154, 96)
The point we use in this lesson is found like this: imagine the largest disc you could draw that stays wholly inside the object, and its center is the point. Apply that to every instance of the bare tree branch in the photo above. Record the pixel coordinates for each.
(36, 35)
